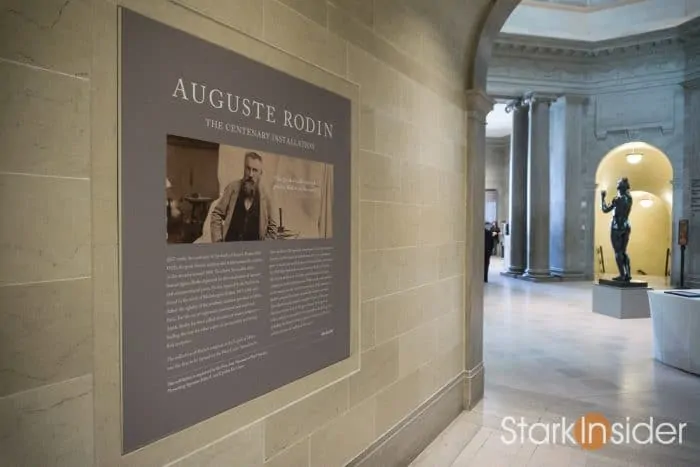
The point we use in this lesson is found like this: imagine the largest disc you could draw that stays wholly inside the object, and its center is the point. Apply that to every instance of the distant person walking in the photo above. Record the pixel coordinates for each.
(496, 237)
(488, 249)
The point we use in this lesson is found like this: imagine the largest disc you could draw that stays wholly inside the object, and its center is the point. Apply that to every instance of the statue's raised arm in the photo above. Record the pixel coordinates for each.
(604, 206)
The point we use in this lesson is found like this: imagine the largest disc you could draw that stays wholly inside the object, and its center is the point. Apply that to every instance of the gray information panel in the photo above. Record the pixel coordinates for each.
(235, 229)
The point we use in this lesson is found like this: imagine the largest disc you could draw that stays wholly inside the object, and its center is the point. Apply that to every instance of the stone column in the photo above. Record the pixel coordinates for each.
(567, 245)
(591, 205)
(538, 189)
(518, 187)
(478, 105)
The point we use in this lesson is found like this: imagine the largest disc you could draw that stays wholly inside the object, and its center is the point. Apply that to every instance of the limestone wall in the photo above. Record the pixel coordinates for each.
(46, 313)
(59, 300)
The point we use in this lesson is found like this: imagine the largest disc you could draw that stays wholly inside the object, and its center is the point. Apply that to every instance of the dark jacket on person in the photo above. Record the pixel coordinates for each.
(222, 213)
(489, 243)
(497, 231)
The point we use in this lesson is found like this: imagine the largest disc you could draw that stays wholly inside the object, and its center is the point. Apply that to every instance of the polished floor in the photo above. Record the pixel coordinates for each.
(549, 359)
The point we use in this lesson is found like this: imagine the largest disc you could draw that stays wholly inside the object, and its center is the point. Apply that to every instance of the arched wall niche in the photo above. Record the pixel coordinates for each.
(671, 144)
(650, 174)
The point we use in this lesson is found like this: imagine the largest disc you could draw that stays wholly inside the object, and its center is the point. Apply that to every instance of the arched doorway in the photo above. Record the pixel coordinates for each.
(650, 174)
(576, 350)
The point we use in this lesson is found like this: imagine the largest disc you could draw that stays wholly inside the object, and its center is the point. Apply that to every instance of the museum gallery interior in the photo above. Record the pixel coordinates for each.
(319, 233)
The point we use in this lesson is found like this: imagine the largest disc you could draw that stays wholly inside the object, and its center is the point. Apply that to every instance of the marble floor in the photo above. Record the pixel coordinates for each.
(547, 356)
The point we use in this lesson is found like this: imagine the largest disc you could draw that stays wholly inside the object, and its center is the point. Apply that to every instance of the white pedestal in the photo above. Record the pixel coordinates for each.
(620, 302)
(675, 325)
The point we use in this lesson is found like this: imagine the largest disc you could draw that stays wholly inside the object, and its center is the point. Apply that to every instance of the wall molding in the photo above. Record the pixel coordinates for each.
(644, 44)
(410, 437)
(569, 49)
(478, 104)
(666, 57)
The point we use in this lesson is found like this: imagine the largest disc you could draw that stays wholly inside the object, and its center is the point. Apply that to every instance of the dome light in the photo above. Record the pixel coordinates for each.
(634, 158)
(646, 203)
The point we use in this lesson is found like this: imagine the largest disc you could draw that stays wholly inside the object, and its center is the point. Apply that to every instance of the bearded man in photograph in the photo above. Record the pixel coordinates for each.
(245, 210)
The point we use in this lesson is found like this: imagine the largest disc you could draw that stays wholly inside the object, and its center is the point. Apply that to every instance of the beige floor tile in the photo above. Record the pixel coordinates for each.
(550, 359)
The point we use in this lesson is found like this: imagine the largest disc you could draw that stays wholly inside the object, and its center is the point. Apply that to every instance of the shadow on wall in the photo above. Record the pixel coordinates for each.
(650, 174)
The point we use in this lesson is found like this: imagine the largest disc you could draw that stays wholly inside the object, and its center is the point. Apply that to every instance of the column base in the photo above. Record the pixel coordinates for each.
(539, 276)
(567, 275)
(405, 442)
(513, 272)
(473, 389)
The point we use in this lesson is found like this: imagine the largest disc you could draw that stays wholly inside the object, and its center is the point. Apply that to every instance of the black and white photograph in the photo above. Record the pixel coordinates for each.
(218, 193)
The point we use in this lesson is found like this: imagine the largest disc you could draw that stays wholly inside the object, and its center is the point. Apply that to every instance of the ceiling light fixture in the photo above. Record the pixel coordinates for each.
(646, 203)
(634, 158)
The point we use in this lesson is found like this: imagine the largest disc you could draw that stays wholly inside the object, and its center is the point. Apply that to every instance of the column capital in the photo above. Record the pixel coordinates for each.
(477, 101)
(531, 98)
(514, 104)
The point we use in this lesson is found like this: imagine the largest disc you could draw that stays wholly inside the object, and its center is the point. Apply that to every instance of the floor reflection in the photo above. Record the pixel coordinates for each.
(547, 356)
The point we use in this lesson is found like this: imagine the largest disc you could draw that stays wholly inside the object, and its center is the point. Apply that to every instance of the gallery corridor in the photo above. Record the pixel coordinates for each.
(547, 356)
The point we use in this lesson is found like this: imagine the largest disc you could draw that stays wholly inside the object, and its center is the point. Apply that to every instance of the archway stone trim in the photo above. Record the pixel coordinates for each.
(478, 105)
(495, 19)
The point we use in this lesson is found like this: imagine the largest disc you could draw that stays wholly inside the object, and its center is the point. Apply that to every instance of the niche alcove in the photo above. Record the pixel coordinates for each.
(650, 174)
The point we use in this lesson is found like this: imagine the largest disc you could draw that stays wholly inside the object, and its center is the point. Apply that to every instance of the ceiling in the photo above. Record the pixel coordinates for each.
(598, 20)
(588, 5)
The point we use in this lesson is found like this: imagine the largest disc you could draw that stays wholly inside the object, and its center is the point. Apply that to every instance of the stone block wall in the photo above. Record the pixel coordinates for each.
(46, 321)
(59, 320)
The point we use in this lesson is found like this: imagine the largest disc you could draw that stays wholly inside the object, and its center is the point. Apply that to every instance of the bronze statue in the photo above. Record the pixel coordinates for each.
(620, 226)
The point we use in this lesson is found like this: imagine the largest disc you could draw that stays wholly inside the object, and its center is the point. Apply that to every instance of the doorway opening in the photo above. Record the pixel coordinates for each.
(650, 175)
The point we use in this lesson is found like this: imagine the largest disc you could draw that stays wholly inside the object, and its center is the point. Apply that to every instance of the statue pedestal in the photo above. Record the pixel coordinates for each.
(622, 300)
(675, 322)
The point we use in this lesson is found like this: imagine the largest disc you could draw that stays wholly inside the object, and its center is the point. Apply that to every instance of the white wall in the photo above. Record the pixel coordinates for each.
(497, 173)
